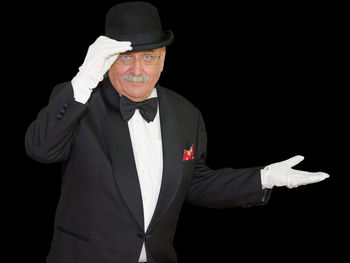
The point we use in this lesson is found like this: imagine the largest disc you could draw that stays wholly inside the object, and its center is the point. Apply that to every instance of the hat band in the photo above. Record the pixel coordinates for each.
(141, 39)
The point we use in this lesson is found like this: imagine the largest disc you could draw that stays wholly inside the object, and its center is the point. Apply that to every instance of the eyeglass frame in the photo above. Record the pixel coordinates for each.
(134, 58)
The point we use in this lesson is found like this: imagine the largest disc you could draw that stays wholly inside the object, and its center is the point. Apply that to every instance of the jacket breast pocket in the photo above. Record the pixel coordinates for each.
(188, 164)
(188, 168)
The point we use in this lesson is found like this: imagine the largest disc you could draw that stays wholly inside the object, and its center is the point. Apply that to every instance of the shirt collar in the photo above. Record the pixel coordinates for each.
(153, 94)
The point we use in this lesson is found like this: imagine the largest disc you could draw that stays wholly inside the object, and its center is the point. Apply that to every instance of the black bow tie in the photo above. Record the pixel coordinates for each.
(148, 108)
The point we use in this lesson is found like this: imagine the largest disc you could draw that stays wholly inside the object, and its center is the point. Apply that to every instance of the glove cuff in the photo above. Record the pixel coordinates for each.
(265, 178)
(82, 87)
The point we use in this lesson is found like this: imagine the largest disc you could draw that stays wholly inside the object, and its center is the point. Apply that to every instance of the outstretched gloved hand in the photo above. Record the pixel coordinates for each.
(100, 57)
(282, 174)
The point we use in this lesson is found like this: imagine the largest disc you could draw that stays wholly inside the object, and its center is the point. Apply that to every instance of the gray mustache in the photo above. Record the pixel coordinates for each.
(138, 79)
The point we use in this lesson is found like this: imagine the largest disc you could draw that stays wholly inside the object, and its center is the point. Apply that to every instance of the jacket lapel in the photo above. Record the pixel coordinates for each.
(172, 156)
(121, 154)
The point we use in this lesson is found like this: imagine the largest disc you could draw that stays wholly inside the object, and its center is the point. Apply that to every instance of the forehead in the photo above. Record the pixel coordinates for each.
(151, 51)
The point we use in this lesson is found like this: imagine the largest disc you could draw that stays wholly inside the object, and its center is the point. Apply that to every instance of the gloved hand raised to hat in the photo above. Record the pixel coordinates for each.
(100, 57)
(282, 174)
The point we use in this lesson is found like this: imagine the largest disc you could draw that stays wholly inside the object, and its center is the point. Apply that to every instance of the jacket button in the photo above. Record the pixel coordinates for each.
(62, 111)
(59, 116)
(143, 236)
(65, 106)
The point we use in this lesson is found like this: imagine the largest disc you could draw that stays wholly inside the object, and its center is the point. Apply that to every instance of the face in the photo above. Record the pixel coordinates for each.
(137, 79)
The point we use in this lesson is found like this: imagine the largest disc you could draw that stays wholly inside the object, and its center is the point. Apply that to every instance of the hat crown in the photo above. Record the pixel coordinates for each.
(138, 22)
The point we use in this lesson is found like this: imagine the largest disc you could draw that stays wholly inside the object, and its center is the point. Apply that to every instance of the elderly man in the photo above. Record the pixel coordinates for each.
(133, 151)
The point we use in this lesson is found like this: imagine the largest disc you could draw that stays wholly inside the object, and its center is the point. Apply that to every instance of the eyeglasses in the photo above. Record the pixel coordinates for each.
(146, 59)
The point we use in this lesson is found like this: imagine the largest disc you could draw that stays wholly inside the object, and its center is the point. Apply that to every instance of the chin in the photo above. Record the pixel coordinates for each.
(137, 90)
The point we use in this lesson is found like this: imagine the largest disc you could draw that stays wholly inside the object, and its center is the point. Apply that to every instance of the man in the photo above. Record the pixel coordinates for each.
(133, 151)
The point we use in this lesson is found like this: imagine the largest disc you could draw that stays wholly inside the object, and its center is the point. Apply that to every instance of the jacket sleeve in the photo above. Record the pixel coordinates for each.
(49, 137)
(225, 187)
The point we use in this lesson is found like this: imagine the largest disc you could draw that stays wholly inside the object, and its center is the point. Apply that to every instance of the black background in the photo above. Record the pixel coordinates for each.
(266, 78)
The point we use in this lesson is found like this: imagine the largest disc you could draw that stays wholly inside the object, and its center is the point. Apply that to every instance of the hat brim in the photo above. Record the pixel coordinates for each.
(168, 38)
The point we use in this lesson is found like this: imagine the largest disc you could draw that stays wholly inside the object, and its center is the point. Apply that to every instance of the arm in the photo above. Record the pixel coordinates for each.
(49, 137)
(224, 187)
(242, 187)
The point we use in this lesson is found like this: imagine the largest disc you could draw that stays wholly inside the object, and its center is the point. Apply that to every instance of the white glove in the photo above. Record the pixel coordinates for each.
(282, 174)
(100, 57)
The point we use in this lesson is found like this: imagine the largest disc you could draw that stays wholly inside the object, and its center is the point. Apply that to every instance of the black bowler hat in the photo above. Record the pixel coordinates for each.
(139, 23)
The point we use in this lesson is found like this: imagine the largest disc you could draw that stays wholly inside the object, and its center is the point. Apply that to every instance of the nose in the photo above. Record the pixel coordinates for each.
(137, 67)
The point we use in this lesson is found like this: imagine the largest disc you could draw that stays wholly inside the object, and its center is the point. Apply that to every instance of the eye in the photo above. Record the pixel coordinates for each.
(147, 57)
(125, 57)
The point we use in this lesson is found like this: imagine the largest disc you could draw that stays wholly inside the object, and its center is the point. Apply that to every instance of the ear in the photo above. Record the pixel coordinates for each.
(162, 58)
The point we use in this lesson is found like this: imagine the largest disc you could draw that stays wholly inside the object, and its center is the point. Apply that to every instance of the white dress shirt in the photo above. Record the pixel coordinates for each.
(146, 142)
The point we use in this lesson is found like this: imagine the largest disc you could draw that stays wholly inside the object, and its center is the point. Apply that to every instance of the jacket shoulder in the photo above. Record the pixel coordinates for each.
(179, 102)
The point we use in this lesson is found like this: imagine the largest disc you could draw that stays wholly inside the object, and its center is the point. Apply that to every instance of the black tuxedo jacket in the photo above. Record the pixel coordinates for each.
(99, 217)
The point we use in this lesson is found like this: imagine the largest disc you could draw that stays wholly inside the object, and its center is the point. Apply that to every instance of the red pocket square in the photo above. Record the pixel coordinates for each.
(188, 154)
